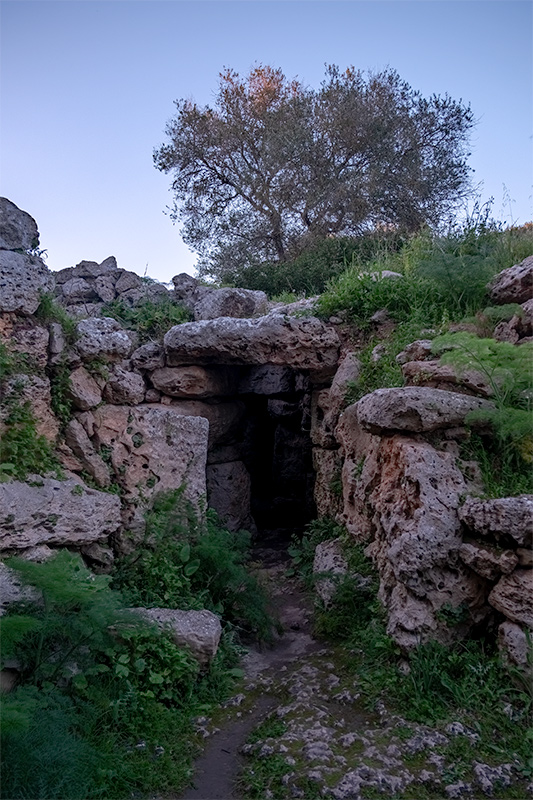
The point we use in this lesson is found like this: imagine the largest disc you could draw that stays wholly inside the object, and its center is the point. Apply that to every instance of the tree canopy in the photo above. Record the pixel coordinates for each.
(275, 166)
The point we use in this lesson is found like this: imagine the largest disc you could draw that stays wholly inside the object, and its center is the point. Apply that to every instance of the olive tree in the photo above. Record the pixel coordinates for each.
(274, 166)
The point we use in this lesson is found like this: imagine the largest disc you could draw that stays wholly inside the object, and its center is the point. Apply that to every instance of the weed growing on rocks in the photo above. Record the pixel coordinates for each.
(150, 319)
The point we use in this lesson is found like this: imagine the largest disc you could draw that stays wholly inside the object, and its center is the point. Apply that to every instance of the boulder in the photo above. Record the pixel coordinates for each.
(230, 303)
(63, 513)
(228, 492)
(104, 286)
(149, 356)
(416, 351)
(153, 448)
(513, 597)
(513, 643)
(102, 338)
(22, 279)
(18, 230)
(83, 390)
(329, 566)
(77, 290)
(489, 562)
(415, 409)
(513, 285)
(195, 382)
(188, 290)
(510, 518)
(299, 343)
(435, 375)
(89, 269)
(198, 631)
(124, 387)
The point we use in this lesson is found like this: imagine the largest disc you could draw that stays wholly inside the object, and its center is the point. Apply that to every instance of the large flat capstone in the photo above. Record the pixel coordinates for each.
(301, 343)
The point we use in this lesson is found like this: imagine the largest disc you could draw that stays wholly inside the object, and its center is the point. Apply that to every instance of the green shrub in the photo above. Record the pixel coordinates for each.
(185, 563)
(50, 310)
(151, 319)
(22, 449)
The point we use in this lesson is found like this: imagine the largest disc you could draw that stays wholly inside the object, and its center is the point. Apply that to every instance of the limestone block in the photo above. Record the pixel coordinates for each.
(13, 590)
(513, 597)
(83, 390)
(230, 303)
(489, 562)
(359, 450)
(124, 387)
(512, 643)
(149, 356)
(329, 565)
(32, 341)
(77, 289)
(198, 631)
(195, 382)
(18, 230)
(416, 351)
(415, 409)
(300, 343)
(224, 418)
(513, 285)
(435, 375)
(102, 338)
(53, 512)
(504, 517)
(228, 492)
(153, 448)
(104, 287)
(22, 279)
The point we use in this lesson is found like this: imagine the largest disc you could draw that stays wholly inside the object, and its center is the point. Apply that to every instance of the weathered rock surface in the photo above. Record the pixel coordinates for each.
(329, 565)
(153, 448)
(435, 375)
(489, 562)
(415, 409)
(83, 390)
(22, 279)
(300, 343)
(198, 631)
(31, 341)
(505, 517)
(34, 390)
(512, 642)
(228, 492)
(416, 351)
(328, 488)
(102, 339)
(13, 590)
(327, 404)
(195, 382)
(124, 387)
(149, 356)
(224, 418)
(77, 439)
(55, 512)
(18, 230)
(230, 303)
(359, 449)
(513, 285)
(513, 596)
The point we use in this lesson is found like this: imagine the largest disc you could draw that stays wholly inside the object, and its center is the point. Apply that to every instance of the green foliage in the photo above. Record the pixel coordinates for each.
(22, 449)
(49, 310)
(504, 471)
(151, 319)
(310, 272)
(60, 393)
(302, 548)
(104, 704)
(508, 371)
(183, 563)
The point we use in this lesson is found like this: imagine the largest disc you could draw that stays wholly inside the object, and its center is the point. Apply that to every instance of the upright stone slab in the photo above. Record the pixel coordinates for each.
(153, 448)
(18, 230)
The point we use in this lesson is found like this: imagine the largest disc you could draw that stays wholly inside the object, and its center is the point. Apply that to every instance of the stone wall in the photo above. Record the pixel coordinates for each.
(245, 404)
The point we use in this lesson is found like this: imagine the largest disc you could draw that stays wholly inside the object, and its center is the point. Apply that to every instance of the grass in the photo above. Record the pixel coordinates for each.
(151, 319)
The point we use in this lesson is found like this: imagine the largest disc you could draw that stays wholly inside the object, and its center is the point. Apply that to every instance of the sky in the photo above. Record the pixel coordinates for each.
(86, 88)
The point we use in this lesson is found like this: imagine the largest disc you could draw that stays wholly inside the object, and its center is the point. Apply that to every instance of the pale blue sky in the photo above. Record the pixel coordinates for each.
(87, 87)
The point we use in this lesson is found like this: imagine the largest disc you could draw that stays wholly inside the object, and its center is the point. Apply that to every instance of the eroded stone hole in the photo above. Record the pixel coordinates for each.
(269, 489)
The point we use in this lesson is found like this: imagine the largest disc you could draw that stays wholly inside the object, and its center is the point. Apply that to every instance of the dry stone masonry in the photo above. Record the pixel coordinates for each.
(245, 407)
